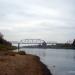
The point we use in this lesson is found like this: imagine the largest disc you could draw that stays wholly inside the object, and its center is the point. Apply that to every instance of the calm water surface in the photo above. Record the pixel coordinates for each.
(59, 61)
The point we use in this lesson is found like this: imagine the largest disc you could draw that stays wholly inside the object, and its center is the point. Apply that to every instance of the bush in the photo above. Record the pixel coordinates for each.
(22, 53)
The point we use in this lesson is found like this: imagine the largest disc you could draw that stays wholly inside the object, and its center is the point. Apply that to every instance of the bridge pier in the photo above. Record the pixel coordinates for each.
(18, 47)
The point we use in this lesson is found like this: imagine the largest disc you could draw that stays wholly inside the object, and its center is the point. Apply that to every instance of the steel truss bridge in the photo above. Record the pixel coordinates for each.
(32, 41)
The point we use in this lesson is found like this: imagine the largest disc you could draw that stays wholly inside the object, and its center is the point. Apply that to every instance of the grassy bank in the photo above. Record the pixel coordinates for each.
(6, 47)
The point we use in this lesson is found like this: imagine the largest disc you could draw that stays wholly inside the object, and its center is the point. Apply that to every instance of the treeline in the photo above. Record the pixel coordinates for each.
(3, 41)
(73, 44)
(63, 45)
(4, 44)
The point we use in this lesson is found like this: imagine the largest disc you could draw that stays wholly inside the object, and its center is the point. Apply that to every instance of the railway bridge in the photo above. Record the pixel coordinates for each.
(32, 42)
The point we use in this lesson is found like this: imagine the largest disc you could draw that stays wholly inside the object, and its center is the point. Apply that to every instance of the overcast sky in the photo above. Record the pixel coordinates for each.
(52, 20)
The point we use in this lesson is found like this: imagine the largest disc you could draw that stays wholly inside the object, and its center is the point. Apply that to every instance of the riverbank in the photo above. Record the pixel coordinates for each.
(4, 47)
(25, 64)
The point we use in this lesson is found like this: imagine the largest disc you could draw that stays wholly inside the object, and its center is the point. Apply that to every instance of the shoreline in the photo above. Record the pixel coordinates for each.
(13, 63)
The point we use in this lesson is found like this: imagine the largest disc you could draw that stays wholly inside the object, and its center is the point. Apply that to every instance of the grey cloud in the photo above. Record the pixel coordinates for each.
(54, 17)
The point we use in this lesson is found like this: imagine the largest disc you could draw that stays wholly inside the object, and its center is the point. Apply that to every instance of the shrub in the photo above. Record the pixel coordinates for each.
(22, 53)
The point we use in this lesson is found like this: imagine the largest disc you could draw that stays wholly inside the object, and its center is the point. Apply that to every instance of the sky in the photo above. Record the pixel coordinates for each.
(50, 20)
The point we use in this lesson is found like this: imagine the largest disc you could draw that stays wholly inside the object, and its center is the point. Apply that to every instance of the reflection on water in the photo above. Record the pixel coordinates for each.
(74, 55)
(60, 61)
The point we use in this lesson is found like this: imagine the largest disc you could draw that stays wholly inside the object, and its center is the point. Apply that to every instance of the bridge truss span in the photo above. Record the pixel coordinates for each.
(31, 41)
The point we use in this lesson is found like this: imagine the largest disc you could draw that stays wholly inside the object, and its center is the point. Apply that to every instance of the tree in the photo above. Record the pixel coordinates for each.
(3, 41)
(1, 38)
(1, 35)
(44, 44)
(73, 43)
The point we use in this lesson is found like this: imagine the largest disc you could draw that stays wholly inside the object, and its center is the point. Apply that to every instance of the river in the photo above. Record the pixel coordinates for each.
(59, 61)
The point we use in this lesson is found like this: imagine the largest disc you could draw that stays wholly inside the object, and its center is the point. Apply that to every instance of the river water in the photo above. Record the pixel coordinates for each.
(59, 61)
